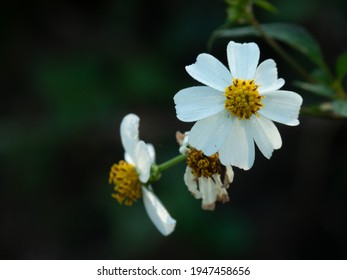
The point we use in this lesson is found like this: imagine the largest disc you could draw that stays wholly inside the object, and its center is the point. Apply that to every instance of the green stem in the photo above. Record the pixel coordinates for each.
(171, 162)
(276, 47)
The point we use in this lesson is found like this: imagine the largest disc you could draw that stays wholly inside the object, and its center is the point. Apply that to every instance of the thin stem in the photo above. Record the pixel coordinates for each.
(280, 51)
(171, 162)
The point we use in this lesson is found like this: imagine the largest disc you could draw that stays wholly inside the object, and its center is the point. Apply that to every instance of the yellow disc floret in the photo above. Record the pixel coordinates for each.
(127, 185)
(243, 98)
(203, 165)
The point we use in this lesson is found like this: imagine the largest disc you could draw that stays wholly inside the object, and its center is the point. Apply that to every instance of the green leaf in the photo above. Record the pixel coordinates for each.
(293, 35)
(340, 107)
(341, 66)
(266, 5)
(319, 89)
(322, 76)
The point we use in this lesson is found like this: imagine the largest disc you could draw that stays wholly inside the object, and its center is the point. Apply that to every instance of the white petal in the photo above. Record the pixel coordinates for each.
(222, 194)
(196, 103)
(229, 175)
(151, 152)
(282, 106)
(157, 212)
(129, 133)
(216, 179)
(143, 161)
(129, 159)
(238, 148)
(265, 135)
(275, 86)
(208, 191)
(191, 182)
(243, 59)
(210, 71)
(210, 133)
(266, 77)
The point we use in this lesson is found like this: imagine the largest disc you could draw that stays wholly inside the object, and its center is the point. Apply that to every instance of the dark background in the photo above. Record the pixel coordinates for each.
(72, 70)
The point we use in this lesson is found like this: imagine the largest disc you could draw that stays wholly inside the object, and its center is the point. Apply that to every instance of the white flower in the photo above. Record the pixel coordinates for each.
(131, 176)
(209, 189)
(236, 108)
(205, 177)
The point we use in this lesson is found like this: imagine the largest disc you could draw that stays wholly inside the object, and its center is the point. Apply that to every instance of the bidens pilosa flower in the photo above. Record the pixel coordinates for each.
(130, 177)
(205, 176)
(237, 107)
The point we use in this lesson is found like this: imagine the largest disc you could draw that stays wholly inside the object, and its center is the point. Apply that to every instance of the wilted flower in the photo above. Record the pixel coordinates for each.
(205, 177)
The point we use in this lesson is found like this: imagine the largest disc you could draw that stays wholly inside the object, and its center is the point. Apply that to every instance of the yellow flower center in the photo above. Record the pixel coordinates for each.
(202, 165)
(243, 98)
(126, 183)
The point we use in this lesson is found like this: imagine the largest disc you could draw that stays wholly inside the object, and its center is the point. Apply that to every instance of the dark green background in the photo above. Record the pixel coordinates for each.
(71, 70)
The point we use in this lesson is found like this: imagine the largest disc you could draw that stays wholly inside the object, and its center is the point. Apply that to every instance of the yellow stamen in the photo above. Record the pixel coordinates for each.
(202, 165)
(243, 98)
(126, 183)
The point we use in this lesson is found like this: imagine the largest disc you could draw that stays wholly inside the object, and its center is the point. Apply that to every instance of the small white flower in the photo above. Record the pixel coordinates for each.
(237, 107)
(205, 177)
(131, 176)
